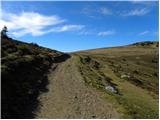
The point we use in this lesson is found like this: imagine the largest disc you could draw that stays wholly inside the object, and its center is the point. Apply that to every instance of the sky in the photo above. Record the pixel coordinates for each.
(72, 26)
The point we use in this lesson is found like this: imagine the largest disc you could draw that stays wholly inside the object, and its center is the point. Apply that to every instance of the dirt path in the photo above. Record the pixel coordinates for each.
(69, 97)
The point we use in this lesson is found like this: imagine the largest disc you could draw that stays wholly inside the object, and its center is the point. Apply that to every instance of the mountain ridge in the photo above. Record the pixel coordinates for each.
(146, 43)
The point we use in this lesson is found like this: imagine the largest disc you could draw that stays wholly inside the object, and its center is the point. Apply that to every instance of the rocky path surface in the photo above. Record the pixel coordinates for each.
(69, 97)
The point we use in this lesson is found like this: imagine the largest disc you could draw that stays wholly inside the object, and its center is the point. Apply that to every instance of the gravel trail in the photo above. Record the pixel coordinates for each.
(69, 97)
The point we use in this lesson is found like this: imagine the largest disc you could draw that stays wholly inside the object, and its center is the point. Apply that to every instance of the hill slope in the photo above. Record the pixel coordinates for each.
(131, 70)
(24, 76)
(120, 82)
(69, 97)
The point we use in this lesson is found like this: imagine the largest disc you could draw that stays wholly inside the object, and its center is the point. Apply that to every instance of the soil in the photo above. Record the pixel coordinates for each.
(69, 97)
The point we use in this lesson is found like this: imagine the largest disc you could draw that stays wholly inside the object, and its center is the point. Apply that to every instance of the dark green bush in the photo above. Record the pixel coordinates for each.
(35, 44)
(25, 49)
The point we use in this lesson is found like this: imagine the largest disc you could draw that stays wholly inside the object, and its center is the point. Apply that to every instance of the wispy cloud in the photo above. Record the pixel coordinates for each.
(150, 33)
(105, 11)
(92, 12)
(86, 32)
(35, 24)
(28, 23)
(106, 33)
(135, 12)
(145, 3)
(156, 33)
(143, 33)
(67, 28)
(87, 10)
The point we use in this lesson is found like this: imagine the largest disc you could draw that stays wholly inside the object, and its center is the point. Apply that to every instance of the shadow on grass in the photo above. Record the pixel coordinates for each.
(22, 83)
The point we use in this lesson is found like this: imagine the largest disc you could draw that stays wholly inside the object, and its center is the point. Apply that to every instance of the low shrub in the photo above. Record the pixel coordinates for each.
(25, 49)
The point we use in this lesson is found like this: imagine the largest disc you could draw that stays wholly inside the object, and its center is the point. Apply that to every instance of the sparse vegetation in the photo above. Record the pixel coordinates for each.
(90, 70)
(24, 76)
(126, 77)
(137, 83)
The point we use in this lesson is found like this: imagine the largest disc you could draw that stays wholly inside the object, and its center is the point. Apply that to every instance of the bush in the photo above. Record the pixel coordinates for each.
(3, 53)
(28, 58)
(25, 49)
(9, 58)
(35, 44)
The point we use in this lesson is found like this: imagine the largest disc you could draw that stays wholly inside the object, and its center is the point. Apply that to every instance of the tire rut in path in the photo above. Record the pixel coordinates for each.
(69, 97)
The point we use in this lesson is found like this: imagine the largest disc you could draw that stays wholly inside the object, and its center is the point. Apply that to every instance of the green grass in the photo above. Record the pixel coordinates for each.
(133, 101)
(137, 102)
(89, 70)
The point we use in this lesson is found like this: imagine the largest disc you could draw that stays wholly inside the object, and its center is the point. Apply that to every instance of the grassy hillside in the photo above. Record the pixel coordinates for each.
(132, 72)
(24, 76)
(118, 82)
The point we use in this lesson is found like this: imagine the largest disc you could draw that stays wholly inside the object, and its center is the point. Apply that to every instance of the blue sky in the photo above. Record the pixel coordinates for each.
(73, 26)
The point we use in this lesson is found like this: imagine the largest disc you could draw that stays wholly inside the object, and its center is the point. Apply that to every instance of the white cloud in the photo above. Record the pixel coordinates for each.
(68, 28)
(34, 23)
(106, 33)
(105, 11)
(156, 33)
(135, 12)
(147, 3)
(28, 23)
(86, 32)
(151, 33)
(92, 12)
(143, 33)
(87, 10)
